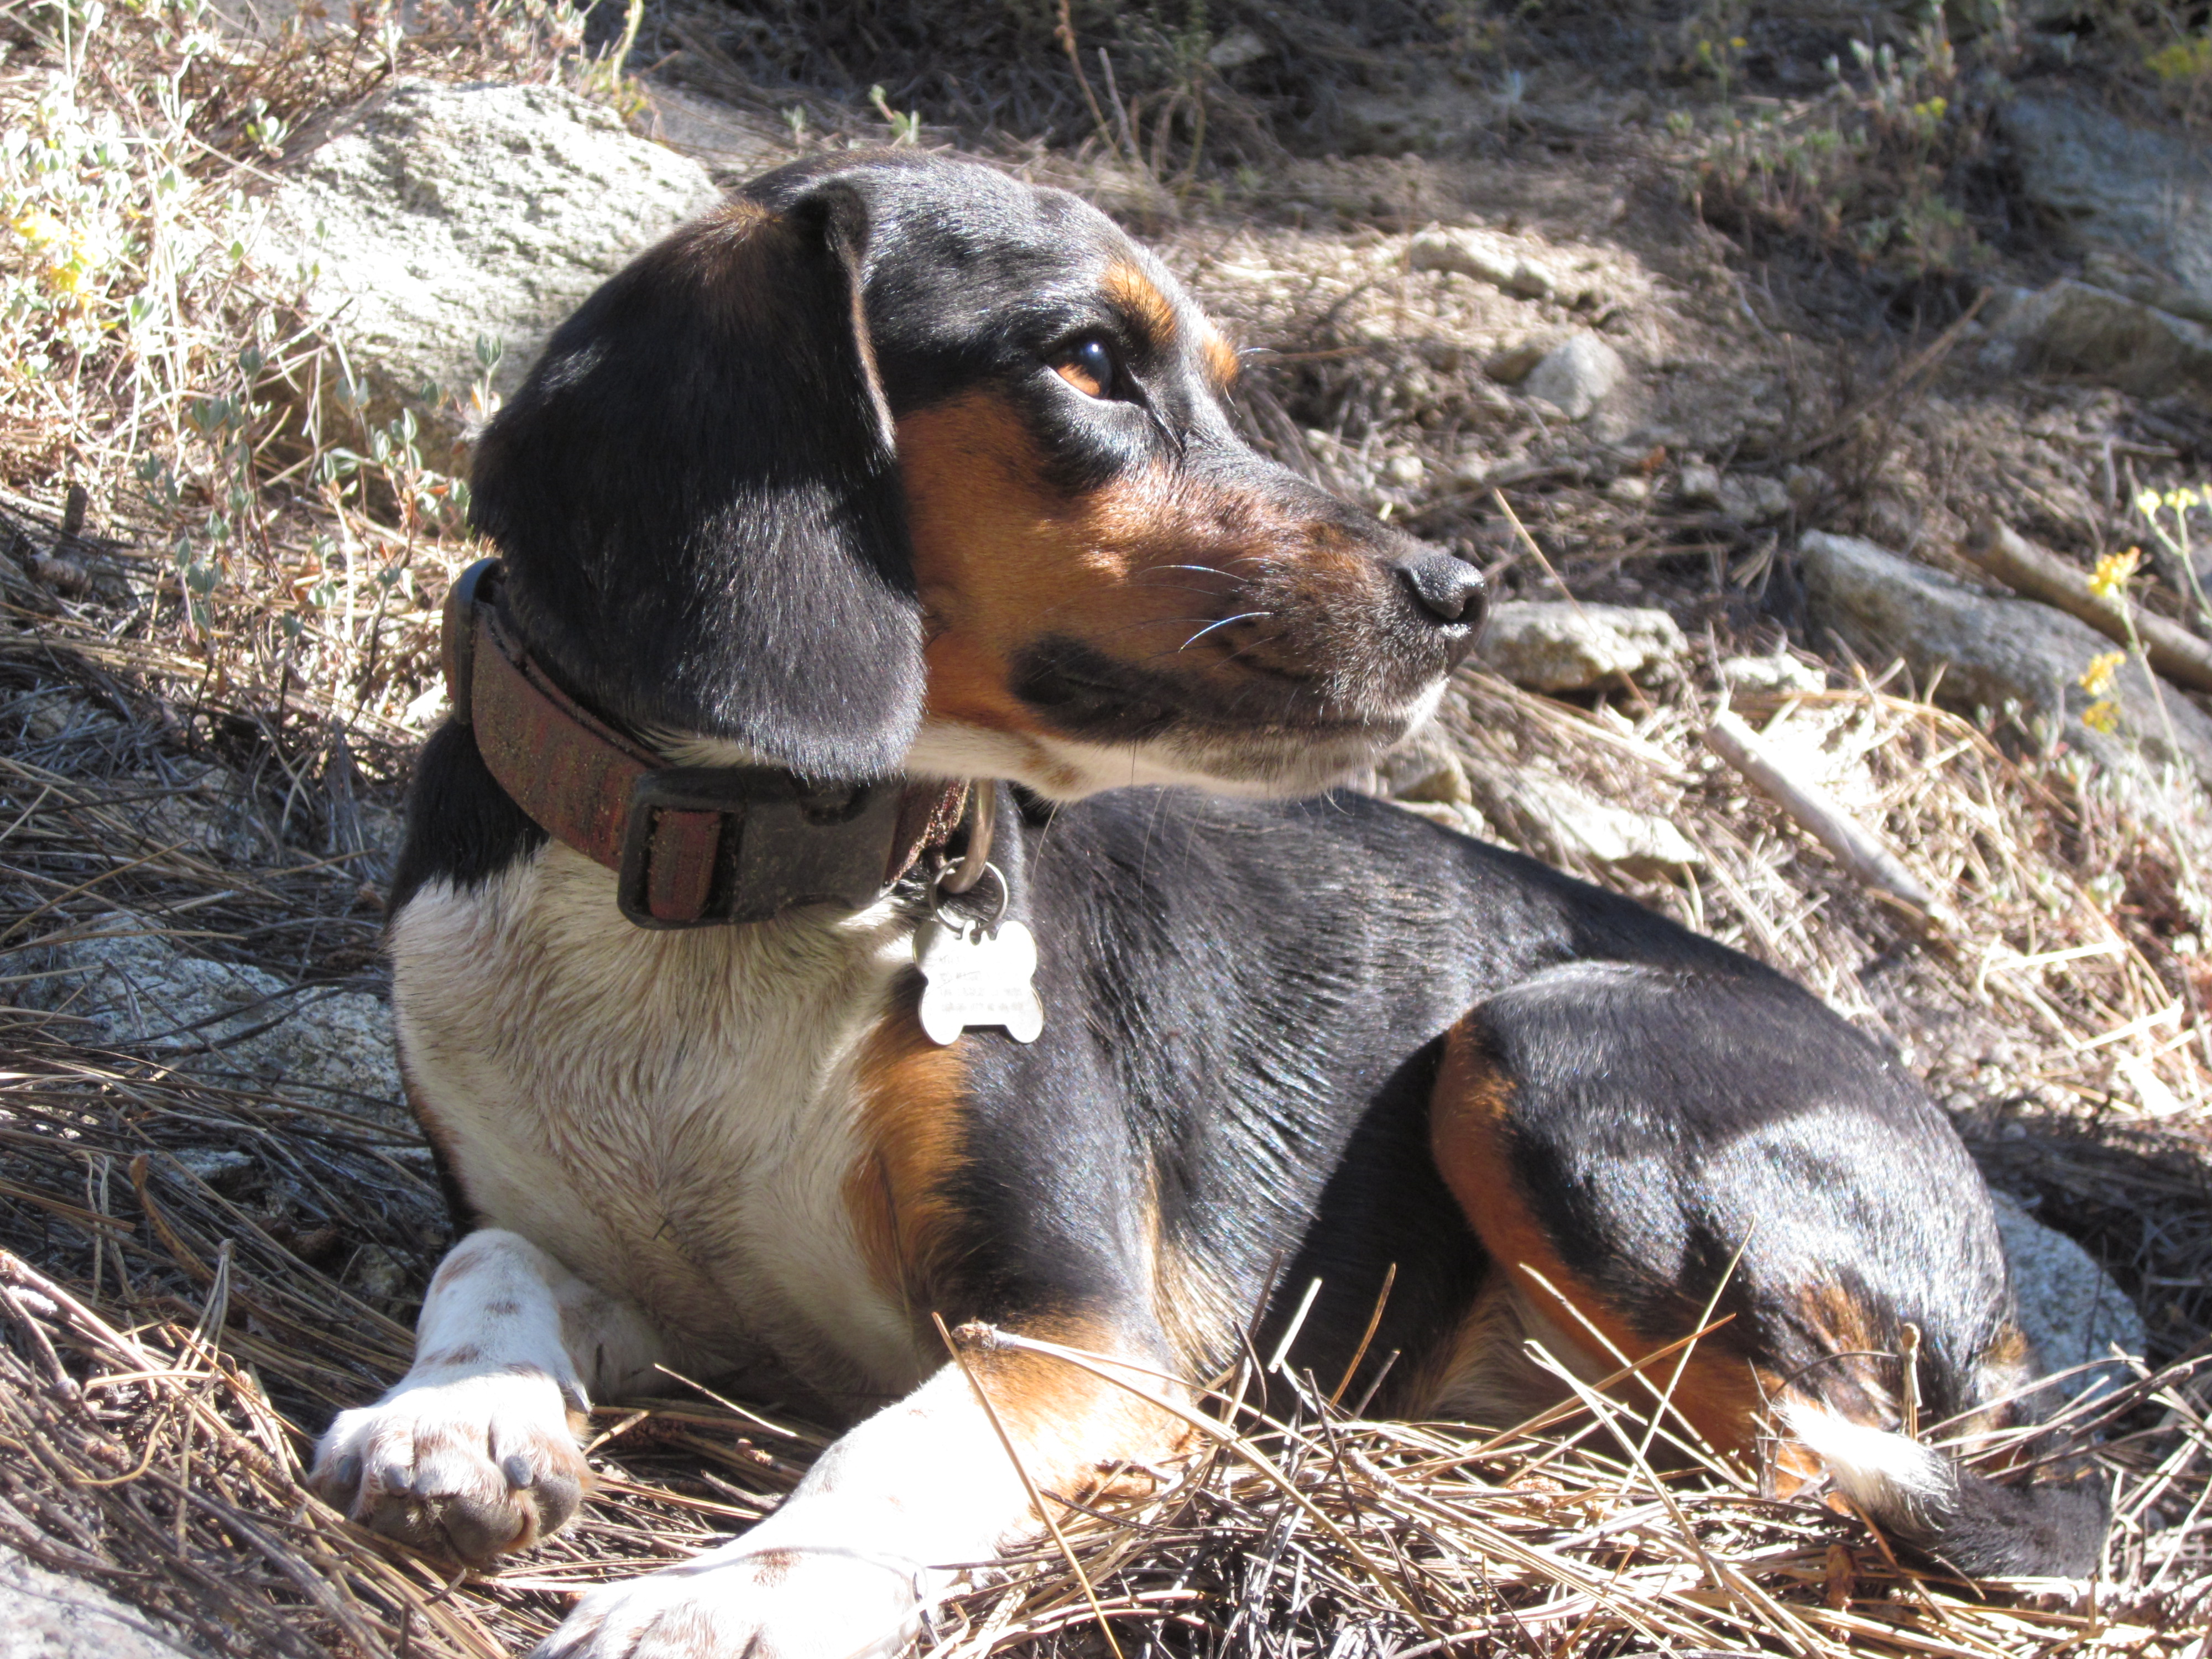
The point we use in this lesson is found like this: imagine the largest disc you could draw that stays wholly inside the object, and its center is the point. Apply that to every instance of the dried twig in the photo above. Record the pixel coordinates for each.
(2173, 651)
(1867, 860)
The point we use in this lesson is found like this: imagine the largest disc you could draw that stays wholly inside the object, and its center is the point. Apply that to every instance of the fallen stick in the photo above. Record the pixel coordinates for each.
(1870, 863)
(2022, 566)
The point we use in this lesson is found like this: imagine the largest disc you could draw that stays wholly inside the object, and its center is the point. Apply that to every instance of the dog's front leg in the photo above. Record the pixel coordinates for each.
(474, 1451)
(881, 1524)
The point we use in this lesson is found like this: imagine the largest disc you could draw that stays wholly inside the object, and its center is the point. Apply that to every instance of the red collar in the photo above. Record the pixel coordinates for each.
(692, 846)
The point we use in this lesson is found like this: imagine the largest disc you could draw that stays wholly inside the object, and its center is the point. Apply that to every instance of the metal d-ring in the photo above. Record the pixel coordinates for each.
(937, 901)
(982, 819)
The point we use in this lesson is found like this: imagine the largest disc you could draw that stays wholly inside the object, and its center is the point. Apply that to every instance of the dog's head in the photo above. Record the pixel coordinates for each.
(896, 463)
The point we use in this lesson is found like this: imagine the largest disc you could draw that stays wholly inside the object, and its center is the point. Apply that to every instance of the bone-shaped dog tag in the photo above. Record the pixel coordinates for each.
(974, 977)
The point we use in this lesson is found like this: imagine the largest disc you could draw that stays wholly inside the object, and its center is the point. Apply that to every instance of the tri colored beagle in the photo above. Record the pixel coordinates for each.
(893, 509)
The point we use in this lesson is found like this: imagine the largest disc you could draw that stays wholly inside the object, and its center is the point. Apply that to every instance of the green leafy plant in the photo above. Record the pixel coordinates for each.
(1862, 168)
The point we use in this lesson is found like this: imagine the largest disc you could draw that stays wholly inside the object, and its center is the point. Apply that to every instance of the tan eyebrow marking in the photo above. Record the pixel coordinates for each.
(1222, 362)
(1138, 295)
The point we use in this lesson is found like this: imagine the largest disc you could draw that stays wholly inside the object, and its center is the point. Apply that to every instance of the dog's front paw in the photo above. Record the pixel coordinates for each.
(468, 1467)
(779, 1604)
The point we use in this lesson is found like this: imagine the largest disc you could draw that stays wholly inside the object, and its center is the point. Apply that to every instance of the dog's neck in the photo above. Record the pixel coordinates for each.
(696, 836)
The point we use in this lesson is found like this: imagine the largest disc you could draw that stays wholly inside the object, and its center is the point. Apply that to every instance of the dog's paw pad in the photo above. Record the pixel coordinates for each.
(468, 1468)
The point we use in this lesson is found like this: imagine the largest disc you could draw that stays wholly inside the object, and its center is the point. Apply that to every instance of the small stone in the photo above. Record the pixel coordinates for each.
(1559, 647)
(1576, 375)
(1775, 676)
(1426, 766)
(1699, 485)
(1458, 816)
(1237, 48)
(1753, 499)
(1484, 256)
(224, 1020)
(1448, 784)
(1406, 471)
(1629, 490)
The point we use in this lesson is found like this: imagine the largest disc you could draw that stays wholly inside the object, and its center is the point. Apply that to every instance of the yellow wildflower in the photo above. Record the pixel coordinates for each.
(2103, 715)
(2112, 572)
(2097, 678)
(40, 228)
(2147, 502)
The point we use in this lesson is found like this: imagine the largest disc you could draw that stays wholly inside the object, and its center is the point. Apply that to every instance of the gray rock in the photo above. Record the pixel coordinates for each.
(2071, 328)
(437, 215)
(1428, 769)
(1488, 258)
(1994, 651)
(1456, 815)
(46, 1615)
(134, 990)
(1752, 498)
(1559, 646)
(2070, 1309)
(1557, 822)
(1749, 498)
(1699, 485)
(1576, 375)
(1775, 676)
(2142, 192)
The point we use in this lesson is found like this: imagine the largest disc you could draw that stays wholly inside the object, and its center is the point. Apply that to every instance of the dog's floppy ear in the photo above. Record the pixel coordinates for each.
(696, 497)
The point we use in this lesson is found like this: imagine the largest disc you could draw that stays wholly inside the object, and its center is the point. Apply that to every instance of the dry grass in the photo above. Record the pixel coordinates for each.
(208, 690)
(175, 1340)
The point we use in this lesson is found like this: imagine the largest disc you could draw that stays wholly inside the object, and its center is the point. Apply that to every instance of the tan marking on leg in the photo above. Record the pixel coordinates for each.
(1071, 1430)
(898, 1188)
(1471, 1114)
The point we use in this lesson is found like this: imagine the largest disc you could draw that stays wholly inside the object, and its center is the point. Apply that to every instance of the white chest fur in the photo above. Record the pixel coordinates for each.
(674, 1115)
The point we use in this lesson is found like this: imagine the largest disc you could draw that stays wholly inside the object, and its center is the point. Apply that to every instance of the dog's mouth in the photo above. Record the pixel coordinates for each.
(1082, 692)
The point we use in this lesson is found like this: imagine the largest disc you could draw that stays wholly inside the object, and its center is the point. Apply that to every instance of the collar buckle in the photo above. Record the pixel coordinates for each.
(708, 846)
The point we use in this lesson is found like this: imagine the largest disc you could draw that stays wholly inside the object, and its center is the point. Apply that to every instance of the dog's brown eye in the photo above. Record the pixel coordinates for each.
(1089, 367)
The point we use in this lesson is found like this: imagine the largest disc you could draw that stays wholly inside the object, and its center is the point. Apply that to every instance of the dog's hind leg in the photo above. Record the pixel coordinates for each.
(474, 1452)
(1636, 1146)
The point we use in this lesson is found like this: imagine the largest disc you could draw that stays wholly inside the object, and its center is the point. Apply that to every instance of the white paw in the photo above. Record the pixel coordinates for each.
(779, 1604)
(464, 1466)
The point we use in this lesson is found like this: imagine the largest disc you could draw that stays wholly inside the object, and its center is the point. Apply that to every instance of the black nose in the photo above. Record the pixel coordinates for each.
(1448, 589)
